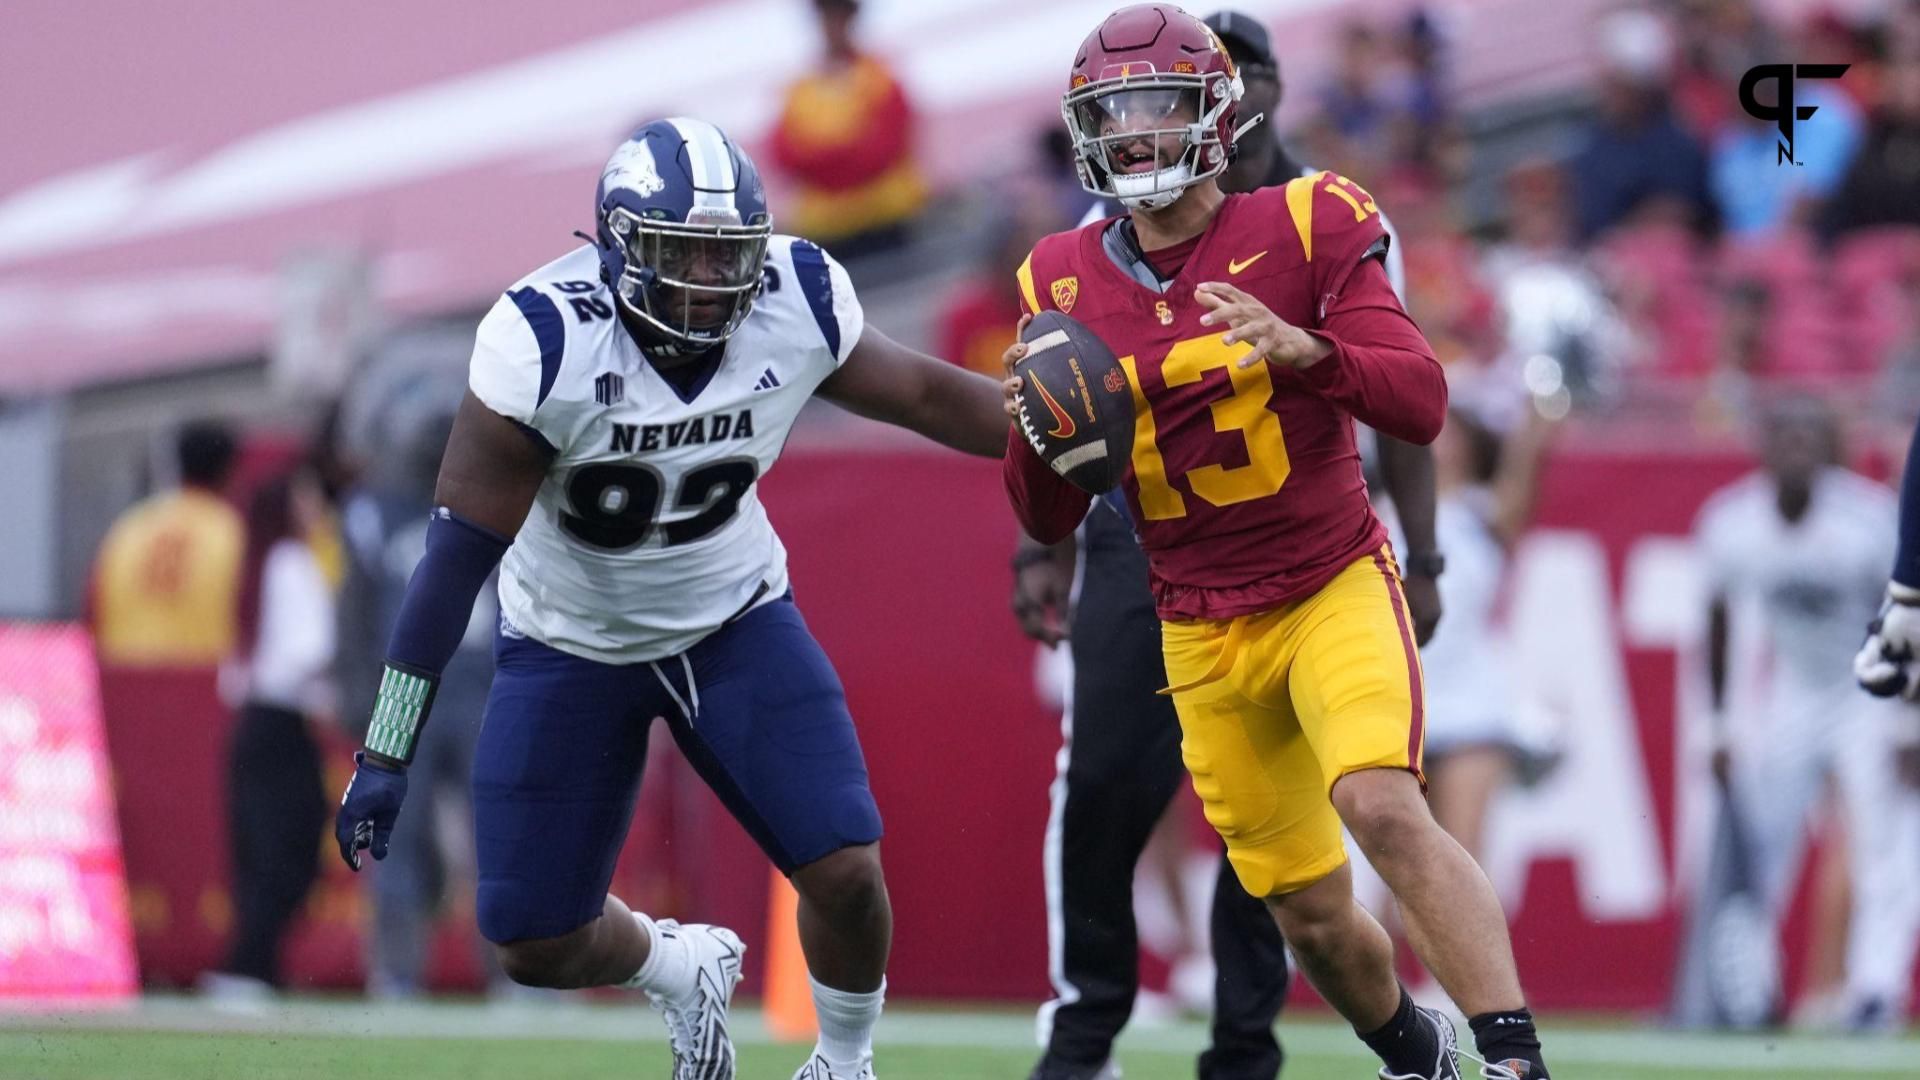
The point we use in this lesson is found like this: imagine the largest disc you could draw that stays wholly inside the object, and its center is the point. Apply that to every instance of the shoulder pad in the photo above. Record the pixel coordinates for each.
(1051, 263)
(1333, 217)
(801, 270)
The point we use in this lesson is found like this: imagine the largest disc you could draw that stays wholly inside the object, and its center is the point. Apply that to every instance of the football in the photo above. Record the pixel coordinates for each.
(1075, 406)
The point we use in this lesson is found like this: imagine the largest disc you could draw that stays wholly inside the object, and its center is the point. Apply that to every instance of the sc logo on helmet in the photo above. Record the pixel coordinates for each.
(1782, 111)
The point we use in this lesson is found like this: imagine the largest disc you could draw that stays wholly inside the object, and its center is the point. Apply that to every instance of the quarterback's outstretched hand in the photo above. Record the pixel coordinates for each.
(369, 809)
(1274, 339)
(1886, 664)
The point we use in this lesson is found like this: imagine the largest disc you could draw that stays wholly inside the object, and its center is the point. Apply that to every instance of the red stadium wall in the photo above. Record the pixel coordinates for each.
(899, 561)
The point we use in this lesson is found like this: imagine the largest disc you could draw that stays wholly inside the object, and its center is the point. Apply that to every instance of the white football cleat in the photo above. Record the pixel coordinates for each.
(817, 1068)
(697, 1024)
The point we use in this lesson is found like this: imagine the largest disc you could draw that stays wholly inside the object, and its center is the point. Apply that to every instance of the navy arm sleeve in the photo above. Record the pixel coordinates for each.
(1906, 563)
(440, 595)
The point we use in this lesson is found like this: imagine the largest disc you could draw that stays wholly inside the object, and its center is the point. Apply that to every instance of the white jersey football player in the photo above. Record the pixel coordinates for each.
(623, 404)
(1797, 553)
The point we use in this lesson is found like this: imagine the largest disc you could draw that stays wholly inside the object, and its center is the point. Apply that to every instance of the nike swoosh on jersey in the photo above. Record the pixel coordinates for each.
(1063, 427)
(1236, 265)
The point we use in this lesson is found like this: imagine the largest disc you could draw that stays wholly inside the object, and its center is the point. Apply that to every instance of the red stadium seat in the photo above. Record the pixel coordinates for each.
(1660, 275)
(1874, 279)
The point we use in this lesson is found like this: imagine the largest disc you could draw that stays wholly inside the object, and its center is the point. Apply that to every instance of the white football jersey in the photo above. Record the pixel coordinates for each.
(1813, 584)
(648, 533)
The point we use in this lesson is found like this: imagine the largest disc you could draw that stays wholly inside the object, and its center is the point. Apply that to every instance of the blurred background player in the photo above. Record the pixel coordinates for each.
(1795, 556)
(1118, 768)
(1288, 644)
(402, 416)
(276, 800)
(661, 366)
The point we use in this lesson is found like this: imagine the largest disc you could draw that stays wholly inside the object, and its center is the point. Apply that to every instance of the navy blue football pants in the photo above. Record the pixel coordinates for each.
(756, 708)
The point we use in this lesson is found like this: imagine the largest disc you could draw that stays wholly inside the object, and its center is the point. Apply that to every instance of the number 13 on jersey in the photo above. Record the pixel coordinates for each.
(1244, 411)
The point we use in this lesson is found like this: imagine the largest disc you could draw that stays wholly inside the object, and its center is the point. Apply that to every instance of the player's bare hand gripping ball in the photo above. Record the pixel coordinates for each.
(1274, 339)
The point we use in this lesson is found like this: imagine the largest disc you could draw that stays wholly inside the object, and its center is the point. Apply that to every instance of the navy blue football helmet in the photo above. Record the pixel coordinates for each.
(683, 225)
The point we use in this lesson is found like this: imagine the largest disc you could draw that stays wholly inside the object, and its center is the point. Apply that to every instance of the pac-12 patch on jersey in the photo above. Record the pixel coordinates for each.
(648, 533)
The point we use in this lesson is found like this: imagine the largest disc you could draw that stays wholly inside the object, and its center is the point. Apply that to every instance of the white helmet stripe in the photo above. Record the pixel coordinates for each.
(713, 179)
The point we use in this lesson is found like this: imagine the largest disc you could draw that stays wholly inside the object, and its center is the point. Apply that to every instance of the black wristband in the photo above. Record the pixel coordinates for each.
(1424, 564)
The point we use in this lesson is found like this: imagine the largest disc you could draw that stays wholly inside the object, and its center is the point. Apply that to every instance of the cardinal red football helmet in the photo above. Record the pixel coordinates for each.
(1151, 105)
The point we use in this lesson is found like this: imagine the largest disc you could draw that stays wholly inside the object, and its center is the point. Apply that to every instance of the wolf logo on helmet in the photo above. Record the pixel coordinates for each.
(632, 166)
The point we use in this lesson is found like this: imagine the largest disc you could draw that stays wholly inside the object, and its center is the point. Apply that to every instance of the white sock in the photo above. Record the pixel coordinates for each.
(846, 1022)
(668, 971)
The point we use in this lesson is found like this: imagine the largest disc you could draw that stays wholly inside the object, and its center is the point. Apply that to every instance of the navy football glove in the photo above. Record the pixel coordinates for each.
(369, 809)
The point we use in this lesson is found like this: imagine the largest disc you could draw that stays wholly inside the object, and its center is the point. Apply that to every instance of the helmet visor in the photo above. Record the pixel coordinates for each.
(1138, 129)
(693, 280)
(698, 278)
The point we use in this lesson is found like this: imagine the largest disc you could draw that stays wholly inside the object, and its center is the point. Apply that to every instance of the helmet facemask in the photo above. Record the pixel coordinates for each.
(1145, 139)
(692, 283)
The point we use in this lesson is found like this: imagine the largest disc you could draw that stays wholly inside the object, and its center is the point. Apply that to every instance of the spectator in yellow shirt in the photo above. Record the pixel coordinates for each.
(167, 577)
(845, 137)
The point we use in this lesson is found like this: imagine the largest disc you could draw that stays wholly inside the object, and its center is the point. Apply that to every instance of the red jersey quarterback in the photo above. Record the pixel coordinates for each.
(1254, 329)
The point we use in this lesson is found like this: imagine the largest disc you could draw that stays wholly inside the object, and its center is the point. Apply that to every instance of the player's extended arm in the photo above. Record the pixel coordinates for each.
(886, 381)
(488, 479)
(1381, 370)
(1906, 559)
(1406, 470)
(1367, 357)
(1885, 665)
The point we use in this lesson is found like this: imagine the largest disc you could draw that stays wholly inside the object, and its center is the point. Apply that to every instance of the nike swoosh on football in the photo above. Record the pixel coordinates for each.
(1235, 266)
(1063, 427)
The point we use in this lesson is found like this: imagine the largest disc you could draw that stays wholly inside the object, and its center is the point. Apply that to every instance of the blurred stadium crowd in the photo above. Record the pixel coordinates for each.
(1627, 262)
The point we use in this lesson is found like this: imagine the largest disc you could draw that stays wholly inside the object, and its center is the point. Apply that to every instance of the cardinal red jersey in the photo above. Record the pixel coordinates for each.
(1245, 484)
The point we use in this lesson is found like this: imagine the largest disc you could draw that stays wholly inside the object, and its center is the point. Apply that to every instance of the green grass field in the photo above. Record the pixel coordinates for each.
(179, 1039)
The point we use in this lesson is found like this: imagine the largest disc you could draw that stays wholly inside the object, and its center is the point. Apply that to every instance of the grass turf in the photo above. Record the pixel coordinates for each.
(337, 1042)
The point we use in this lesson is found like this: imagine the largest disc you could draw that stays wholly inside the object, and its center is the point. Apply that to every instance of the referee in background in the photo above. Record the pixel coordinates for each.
(1119, 770)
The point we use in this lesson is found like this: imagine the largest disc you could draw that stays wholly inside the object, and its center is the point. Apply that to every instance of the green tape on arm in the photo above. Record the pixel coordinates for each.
(399, 710)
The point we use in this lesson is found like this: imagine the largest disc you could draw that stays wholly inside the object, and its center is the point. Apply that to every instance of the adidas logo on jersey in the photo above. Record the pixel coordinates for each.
(768, 381)
(610, 389)
(701, 429)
